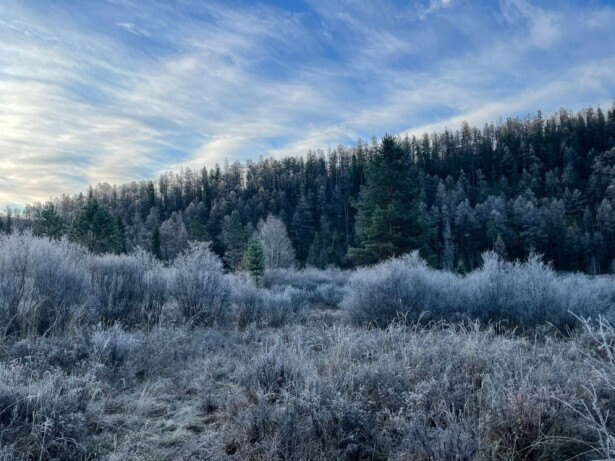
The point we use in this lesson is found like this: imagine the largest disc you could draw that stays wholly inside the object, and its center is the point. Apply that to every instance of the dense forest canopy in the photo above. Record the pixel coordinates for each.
(538, 184)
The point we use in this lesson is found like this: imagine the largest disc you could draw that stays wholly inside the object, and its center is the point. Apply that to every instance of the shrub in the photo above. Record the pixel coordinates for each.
(401, 289)
(43, 284)
(523, 294)
(272, 372)
(45, 354)
(256, 305)
(529, 293)
(128, 289)
(322, 288)
(199, 287)
(112, 347)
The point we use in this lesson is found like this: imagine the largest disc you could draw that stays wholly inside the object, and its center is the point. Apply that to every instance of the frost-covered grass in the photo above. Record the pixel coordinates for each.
(119, 357)
(310, 392)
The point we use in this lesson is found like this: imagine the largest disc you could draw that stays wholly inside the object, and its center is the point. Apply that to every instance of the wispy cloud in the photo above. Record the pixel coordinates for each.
(133, 29)
(123, 89)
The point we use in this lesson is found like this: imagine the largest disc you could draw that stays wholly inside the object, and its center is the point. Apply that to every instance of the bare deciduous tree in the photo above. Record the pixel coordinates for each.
(278, 249)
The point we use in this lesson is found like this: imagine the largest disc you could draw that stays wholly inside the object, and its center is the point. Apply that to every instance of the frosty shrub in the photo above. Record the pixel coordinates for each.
(323, 288)
(401, 289)
(199, 286)
(43, 416)
(112, 346)
(256, 305)
(520, 294)
(128, 289)
(588, 296)
(43, 284)
(526, 293)
(530, 293)
(271, 372)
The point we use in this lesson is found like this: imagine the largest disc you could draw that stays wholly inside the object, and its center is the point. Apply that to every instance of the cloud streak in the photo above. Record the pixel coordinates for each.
(122, 90)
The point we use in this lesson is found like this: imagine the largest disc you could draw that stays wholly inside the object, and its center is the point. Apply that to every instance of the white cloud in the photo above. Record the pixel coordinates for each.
(142, 90)
(433, 7)
(133, 29)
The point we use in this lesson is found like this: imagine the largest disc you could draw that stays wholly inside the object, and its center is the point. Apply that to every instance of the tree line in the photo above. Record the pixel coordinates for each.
(526, 185)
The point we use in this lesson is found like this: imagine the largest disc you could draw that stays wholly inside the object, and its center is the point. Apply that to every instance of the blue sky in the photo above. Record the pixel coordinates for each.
(120, 90)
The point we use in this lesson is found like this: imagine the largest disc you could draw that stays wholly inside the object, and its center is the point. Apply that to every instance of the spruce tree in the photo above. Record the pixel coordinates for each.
(8, 225)
(388, 221)
(155, 247)
(235, 240)
(254, 260)
(197, 230)
(95, 229)
(48, 222)
(120, 237)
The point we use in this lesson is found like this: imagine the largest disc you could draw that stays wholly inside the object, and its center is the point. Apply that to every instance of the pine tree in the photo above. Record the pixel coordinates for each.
(235, 239)
(155, 247)
(48, 222)
(8, 225)
(500, 247)
(197, 230)
(302, 227)
(316, 255)
(254, 259)
(120, 237)
(95, 229)
(388, 221)
(448, 252)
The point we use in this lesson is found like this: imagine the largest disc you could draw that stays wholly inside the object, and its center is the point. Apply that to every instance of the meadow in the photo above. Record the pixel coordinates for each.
(122, 357)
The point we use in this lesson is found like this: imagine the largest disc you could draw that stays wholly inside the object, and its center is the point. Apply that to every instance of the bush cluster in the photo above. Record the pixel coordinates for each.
(44, 285)
(199, 286)
(321, 288)
(51, 287)
(128, 289)
(520, 294)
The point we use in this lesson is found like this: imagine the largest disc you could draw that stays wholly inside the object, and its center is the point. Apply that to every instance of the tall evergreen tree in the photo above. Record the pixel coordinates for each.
(235, 240)
(48, 222)
(254, 259)
(8, 225)
(155, 246)
(120, 236)
(197, 230)
(95, 229)
(388, 209)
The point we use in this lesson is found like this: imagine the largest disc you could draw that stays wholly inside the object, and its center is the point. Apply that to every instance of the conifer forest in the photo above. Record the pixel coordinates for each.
(542, 184)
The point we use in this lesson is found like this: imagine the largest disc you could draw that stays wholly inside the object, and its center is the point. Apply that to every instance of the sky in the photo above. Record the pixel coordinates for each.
(121, 90)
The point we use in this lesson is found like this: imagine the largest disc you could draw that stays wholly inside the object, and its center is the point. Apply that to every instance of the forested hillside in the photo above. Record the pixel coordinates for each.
(538, 184)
